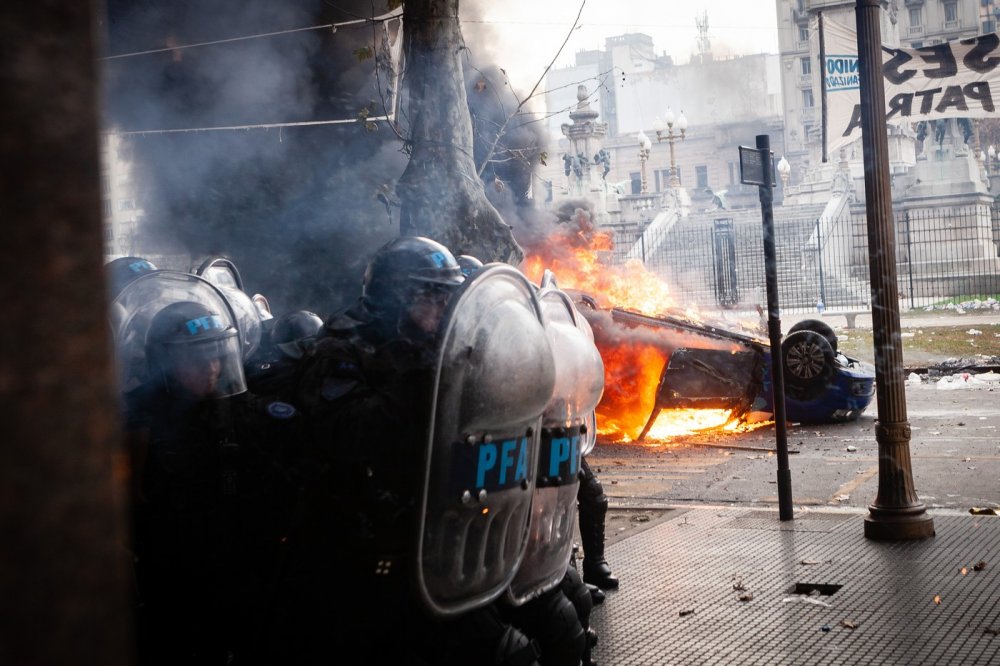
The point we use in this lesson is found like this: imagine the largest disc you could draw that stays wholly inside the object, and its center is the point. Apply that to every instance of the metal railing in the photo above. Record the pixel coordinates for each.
(940, 254)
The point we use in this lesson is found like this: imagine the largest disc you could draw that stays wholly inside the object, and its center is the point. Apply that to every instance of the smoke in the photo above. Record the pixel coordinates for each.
(299, 209)
(296, 208)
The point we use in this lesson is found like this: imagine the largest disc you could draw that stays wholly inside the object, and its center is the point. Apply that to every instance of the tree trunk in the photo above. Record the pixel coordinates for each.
(441, 195)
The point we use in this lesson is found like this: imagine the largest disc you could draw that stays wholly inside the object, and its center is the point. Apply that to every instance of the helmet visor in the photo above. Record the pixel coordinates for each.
(207, 368)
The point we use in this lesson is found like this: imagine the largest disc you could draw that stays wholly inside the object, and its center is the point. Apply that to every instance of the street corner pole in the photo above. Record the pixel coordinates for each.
(774, 329)
(897, 513)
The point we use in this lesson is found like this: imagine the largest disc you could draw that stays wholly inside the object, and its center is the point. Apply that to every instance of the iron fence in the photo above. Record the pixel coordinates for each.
(719, 261)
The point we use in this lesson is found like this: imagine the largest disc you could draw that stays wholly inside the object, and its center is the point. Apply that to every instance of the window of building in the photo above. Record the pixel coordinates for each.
(989, 26)
(950, 12)
(126, 204)
(106, 207)
(807, 98)
(806, 64)
(701, 175)
(732, 173)
(916, 16)
(803, 34)
(636, 182)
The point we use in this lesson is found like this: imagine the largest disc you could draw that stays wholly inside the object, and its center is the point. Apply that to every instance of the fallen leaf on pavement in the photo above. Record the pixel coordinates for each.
(686, 612)
(982, 511)
(848, 624)
(808, 562)
(979, 566)
(746, 597)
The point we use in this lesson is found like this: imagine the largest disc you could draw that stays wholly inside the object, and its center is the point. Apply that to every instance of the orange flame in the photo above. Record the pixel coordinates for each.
(632, 370)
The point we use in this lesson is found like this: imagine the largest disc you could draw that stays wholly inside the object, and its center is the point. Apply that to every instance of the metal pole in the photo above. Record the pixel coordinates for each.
(774, 331)
(819, 256)
(909, 257)
(897, 512)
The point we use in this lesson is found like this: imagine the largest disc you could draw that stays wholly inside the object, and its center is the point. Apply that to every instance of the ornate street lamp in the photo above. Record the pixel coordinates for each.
(784, 169)
(667, 134)
(645, 145)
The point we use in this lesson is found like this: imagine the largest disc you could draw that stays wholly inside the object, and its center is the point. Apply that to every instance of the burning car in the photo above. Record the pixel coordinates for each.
(668, 375)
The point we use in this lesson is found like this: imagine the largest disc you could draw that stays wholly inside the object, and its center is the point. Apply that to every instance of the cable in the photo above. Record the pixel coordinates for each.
(378, 19)
(306, 123)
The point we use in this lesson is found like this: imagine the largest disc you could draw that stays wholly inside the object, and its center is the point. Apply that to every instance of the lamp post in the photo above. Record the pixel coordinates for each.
(667, 134)
(645, 145)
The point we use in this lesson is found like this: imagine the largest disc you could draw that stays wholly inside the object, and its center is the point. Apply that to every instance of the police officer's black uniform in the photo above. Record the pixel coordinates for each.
(213, 471)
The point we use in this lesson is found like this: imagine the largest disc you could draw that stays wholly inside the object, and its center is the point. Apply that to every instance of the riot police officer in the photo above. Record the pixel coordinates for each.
(366, 389)
(271, 371)
(212, 494)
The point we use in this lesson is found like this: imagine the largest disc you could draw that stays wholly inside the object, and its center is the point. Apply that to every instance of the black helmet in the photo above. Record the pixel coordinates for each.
(291, 328)
(123, 270)
(403, 266)
(190, 346)
(468, 264)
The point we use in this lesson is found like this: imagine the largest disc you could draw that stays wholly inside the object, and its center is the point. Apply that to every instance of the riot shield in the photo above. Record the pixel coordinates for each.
(567, 427)
(137, 304)
(494, 378)
(222, 273)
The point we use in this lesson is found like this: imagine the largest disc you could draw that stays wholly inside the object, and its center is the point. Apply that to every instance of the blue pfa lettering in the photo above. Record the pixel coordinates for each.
(206, 323)
(497, 462)
(564, 450)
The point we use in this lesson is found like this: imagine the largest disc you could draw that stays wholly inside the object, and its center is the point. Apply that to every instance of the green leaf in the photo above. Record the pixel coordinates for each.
(364, 53)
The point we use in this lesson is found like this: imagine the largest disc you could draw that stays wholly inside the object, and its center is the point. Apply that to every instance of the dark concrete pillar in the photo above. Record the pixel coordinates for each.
(62, 559)
(897, 512)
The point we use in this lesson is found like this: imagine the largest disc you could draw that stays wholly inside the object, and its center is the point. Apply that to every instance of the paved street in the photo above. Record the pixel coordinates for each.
(711, 576)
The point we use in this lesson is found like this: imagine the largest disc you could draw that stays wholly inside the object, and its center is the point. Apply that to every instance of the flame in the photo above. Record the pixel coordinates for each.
(573, 253)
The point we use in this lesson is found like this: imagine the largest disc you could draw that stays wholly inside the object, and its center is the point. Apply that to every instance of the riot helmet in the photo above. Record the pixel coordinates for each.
(290, 330)
(468, 264)
(123, 270)
(408, 282)
(192, 348)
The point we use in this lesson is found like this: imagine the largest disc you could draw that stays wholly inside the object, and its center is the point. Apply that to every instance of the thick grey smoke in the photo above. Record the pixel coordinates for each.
(298, 209)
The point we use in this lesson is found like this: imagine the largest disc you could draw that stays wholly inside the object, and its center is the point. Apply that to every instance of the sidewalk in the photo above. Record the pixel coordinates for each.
(679, 602)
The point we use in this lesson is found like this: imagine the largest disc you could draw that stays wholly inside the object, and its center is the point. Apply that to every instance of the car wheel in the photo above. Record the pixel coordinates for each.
(808, 363)
(817, 326)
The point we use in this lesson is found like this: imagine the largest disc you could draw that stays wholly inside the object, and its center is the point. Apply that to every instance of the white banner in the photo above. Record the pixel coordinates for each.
(958, 79)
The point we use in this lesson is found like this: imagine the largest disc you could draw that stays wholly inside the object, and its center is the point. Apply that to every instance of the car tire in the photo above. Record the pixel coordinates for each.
(817, 326)
(807, 360)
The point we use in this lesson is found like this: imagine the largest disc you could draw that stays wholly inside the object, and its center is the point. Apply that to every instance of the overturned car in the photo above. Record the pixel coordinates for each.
(660, 363)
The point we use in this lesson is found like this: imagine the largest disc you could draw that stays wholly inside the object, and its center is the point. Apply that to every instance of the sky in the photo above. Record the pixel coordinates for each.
(528, 33)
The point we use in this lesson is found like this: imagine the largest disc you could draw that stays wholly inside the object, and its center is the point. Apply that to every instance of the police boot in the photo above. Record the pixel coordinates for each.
(595, 568)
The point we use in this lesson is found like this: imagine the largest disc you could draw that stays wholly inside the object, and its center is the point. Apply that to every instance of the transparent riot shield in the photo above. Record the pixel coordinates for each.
(567, 429)
(137, 304)
(222, 273)
(495, 375)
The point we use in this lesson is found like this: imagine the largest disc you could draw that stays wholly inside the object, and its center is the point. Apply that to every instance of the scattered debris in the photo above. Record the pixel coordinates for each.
(810, 562)
(640, 518)
(982, 511)
(805, 599)
(747, 596)
(964, 571)
(937, 599)
(825, 627)
(738, 585)
(685, 613)
(991, 631)
(848, 624)
(852, 448)
(841, 498)
(979, 566)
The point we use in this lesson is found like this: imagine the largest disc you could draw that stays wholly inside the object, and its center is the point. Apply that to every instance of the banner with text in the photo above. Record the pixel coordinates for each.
(958, 79)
